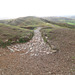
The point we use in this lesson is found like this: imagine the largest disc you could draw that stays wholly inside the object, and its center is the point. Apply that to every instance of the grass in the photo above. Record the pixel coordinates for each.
(71, 23)
(45, 32)
(73, 57)
(64, 23)
(12, 34)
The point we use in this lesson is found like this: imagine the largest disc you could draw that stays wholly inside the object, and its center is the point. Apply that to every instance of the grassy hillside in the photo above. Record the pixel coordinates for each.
(23, 21)
(64, 23)
(61, 20)
(57, 19)
(11, 34)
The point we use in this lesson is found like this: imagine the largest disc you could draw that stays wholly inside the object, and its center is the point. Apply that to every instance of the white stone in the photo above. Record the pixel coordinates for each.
(31, 48)
(36, 55)
(47, 52)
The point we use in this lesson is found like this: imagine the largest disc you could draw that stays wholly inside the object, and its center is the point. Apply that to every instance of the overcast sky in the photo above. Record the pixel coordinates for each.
(22, 8)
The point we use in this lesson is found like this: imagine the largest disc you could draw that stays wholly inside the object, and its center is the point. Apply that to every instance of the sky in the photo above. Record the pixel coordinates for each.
(39, 8)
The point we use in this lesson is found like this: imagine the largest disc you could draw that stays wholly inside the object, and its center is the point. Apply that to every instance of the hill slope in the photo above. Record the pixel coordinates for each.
(23, 20)
(13, 34)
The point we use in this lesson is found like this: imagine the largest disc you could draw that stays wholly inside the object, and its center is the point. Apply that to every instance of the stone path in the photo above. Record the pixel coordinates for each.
(34, 47)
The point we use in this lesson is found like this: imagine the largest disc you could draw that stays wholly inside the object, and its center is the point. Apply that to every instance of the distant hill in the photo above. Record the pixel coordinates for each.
(30, 20)
(57, 19)
(66, 20)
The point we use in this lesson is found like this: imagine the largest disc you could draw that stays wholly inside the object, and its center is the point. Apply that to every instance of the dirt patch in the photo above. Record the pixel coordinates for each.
(64, 40)
(32, 28)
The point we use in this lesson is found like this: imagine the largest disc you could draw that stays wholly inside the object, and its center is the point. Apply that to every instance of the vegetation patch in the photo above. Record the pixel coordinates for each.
(62, 24)
(45, 32)
(10, 35)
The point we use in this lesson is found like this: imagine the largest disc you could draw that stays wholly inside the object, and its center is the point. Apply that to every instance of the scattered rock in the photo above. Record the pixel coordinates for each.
(50, 72)
(54, 47)
(35, 46)
(54, 51)
(48, 52)
(31, 48)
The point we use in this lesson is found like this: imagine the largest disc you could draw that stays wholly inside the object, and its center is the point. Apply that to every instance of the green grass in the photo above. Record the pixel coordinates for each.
(73, 57)
(64, 25)
(71, 23)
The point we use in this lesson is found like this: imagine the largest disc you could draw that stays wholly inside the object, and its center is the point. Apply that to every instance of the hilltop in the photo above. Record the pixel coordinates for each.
(30, 20)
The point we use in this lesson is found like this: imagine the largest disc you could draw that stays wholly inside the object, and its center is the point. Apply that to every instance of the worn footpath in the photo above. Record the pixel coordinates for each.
(34, 58)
